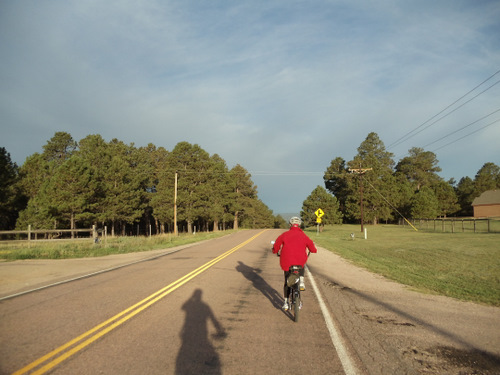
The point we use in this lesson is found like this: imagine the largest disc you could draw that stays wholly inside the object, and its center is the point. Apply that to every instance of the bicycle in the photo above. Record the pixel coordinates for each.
(294, 300)
(293, 283)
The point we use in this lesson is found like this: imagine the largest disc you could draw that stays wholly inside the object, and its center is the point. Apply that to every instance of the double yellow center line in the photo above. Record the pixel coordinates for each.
(62, 353)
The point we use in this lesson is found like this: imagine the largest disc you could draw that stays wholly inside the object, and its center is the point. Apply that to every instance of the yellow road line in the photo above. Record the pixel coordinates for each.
(99, 330)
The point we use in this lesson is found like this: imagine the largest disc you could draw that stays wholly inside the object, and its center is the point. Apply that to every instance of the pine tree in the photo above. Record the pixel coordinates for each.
(70, 189)
(11, 198)
(320, 198)
(425, 204)
(487, 178)
(420, 168)
(243, 192)
(377, 182)
(465, 191)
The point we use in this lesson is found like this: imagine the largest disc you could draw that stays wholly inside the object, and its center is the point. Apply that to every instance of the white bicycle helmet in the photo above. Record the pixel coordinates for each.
(295, 220)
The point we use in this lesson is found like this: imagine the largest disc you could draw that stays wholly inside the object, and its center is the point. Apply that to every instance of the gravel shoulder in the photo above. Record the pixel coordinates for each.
(388, 327)
(393, 329)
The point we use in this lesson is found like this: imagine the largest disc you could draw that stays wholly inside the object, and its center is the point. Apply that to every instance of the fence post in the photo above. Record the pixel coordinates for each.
(488, 225)
(94, 233)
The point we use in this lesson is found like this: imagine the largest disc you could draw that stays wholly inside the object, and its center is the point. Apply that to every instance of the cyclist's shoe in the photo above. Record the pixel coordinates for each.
(285, 306)
(302, 286)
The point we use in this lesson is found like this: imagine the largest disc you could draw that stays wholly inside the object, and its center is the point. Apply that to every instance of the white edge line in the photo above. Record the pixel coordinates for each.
(347, 364)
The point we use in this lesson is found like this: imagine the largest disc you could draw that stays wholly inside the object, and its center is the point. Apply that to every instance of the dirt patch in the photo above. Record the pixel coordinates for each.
(451, 360)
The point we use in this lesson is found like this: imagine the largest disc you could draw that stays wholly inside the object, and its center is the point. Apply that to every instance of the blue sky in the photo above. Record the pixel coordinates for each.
(280, 87)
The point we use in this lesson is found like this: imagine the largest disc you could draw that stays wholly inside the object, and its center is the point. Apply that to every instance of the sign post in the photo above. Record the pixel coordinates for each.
(319, 214)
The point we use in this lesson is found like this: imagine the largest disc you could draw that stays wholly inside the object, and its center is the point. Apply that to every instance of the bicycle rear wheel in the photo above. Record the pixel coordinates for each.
(296, 307)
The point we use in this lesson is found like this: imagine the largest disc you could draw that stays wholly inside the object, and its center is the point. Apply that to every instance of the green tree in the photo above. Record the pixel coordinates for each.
(11, 198)
(122, 198)
(377, 183)
(425, 205)
(403, 195)
(70, 190)
(38, 214)
(243, 192)
(487, 178)
(337, 179)
(447, 198)
(33, 173)
(192, 164)
(465, 191)
(219, 192)
(320, 198)
(152, 165)
(257, 215)
(94, 150)
(59, 148)
(280, 222)
(420, 168)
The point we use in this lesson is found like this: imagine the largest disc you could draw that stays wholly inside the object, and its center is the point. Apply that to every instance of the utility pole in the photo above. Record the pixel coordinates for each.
(360, 171)
(175, 206)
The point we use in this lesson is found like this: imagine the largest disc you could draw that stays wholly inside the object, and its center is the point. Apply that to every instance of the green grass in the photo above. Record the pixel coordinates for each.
(465, 266)
(64, 249)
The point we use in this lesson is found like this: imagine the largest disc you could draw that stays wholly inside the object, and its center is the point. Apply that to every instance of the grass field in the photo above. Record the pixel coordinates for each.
(465, 266)
(62, 249)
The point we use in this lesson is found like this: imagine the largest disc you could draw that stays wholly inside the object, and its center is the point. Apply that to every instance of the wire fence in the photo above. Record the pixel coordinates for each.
(457, 225)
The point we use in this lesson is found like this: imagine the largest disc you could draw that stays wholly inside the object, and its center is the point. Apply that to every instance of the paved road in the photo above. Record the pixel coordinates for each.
(214, 308)
(225, 319)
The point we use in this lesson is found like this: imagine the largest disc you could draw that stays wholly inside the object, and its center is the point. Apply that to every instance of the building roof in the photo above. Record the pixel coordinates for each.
(488, 197)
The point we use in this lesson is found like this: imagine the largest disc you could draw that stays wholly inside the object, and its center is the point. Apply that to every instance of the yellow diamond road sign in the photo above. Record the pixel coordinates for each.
(319, 212)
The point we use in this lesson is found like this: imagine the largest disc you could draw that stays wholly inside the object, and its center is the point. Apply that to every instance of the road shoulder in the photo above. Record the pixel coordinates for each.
(413, 331)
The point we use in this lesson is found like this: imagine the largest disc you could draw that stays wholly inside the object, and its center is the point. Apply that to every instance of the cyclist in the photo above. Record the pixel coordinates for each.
(293, 244)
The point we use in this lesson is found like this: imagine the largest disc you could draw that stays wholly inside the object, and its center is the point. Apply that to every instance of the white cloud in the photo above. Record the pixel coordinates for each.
(270, 85)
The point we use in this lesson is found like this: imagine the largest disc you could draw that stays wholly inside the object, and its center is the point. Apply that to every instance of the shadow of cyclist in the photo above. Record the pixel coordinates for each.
(197, 354)
(260, 284)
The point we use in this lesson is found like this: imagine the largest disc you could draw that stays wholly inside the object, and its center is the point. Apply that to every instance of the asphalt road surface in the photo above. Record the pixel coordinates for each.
(215, 308)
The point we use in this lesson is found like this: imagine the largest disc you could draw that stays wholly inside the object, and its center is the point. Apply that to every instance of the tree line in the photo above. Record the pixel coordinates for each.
(411, 188)
(77, 184)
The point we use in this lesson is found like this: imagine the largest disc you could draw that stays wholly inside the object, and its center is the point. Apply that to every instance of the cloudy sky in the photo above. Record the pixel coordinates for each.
(281, 87)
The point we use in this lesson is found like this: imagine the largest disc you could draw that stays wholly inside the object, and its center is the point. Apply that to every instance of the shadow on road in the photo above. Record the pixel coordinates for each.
(253, 274)
(197, 354)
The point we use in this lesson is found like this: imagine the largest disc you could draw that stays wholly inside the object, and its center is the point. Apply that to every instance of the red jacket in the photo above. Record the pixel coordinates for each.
(293, 244)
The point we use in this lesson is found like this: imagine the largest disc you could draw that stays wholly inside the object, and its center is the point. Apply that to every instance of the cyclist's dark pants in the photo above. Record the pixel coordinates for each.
(286, 289)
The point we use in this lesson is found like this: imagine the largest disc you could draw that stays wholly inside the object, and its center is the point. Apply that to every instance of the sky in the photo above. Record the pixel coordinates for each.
(279, 87)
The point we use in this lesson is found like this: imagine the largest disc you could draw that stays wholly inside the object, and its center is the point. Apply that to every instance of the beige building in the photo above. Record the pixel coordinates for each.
(487, 204)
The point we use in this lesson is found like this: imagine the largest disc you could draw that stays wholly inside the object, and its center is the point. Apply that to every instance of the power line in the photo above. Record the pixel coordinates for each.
(390, 204)
(462, 128)
(467, 135)
(446, 115)
(410, 134)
